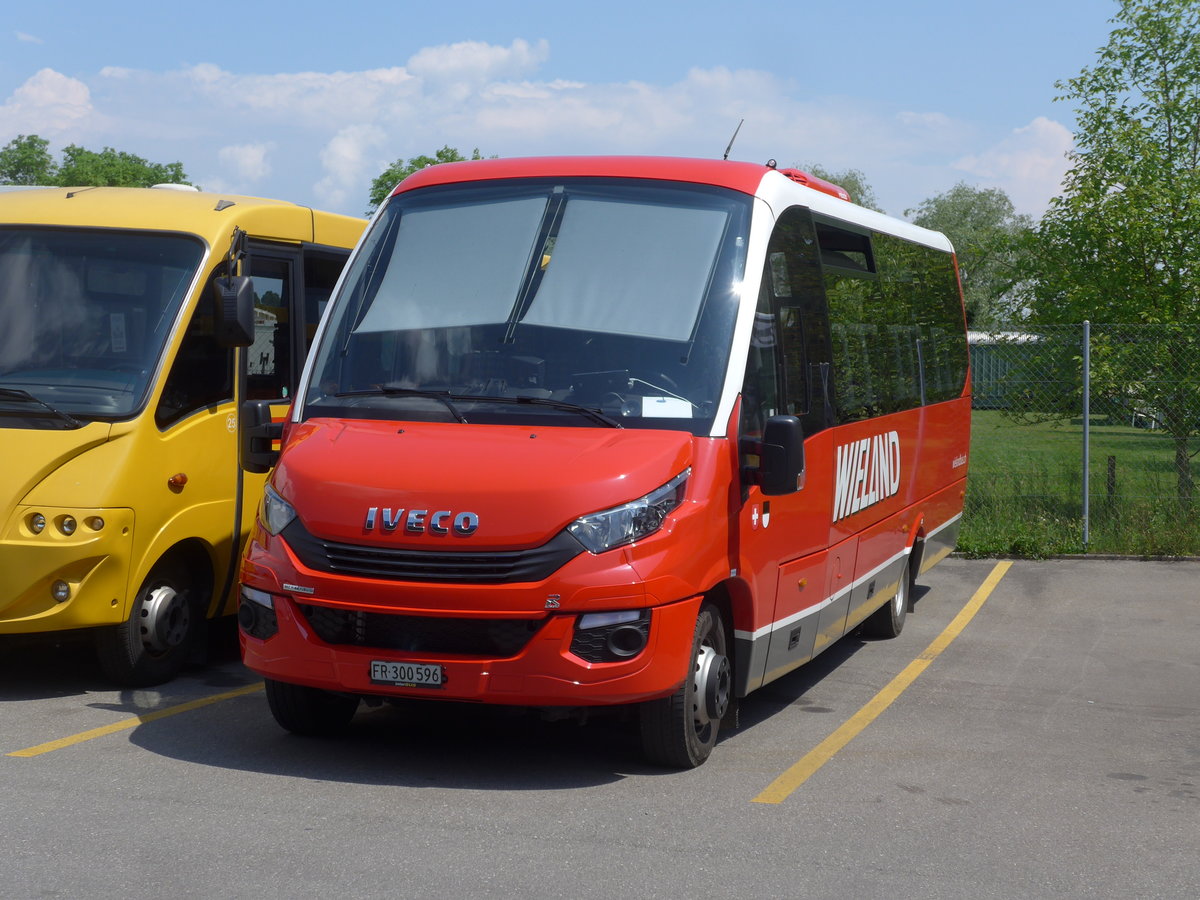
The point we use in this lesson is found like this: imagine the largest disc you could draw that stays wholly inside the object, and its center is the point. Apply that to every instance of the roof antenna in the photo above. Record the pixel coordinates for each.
(732, 139)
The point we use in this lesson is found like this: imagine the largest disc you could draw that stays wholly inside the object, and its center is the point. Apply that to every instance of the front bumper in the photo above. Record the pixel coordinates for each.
(93, 561)
(544, 673)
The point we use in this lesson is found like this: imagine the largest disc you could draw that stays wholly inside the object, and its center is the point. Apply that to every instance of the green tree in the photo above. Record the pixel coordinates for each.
(853, 180)
(1122, 243)
(401, 169)
(114, 168)
(26, 160)
(990, 239)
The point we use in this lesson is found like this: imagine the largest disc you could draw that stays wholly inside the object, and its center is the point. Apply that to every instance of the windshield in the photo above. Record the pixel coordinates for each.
(466, 303)
(84, 315)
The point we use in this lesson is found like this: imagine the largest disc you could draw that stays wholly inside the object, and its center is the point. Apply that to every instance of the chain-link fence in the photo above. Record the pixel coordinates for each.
(1085, 438)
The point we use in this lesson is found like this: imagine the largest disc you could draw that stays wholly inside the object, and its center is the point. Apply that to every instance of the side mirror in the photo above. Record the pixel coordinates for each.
(257, 435)
(781, 456)
(233, 297)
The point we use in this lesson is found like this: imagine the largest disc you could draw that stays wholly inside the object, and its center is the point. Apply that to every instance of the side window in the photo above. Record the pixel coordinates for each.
(788, 367)
(856, 314)
(286, 317)
(269, 358)
(896, 322)
(760, 388)
(201, 376)
(322, 267)
(921, 281)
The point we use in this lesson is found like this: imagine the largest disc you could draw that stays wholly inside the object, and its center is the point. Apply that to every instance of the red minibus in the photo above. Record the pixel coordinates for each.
(589, 431)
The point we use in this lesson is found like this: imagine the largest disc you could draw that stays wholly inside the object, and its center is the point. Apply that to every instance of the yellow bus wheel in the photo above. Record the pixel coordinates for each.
(154, 644)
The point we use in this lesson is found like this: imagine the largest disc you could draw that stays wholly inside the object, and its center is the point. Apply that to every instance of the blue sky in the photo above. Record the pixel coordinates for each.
(310, 101)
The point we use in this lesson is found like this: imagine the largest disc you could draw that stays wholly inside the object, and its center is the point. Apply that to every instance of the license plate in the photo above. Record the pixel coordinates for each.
(407, 674)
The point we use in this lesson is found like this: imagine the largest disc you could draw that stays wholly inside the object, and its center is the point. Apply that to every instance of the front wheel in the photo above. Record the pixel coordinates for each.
(309, 711)
(681, 730)
(154, 643)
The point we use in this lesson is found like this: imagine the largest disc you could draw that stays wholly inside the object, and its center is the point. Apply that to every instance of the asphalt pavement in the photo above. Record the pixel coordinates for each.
(1034, 732)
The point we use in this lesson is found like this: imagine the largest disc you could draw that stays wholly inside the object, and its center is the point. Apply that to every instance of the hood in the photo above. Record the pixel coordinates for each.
(523, 485)
(32, 454)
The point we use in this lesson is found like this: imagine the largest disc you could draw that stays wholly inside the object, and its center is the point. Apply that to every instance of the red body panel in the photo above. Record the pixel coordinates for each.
(525, 484)
(535, 481)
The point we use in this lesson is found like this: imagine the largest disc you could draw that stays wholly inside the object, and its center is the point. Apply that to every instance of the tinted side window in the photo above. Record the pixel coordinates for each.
(920, 284)
(895, 322)
(290, 292)
(201, 376)
(788, 367)
(321, 270)
(269, 358)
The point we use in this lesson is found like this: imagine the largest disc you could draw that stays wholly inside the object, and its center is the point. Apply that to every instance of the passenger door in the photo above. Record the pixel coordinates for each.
(292, 285)
(783, 538)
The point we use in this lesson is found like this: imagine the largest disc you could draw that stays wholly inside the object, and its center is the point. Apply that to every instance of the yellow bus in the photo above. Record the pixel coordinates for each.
(133, 322)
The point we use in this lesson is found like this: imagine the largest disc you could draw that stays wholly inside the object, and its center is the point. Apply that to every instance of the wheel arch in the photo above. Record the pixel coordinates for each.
(194, 558)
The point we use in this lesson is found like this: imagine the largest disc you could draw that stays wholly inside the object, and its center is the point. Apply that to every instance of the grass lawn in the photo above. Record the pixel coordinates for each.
(1024, 491)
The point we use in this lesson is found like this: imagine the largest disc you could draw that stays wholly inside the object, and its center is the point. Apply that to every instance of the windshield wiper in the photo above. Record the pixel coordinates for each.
(18, 394)
(443, 397)
(588, 412)
(448, 399)
(594, 414)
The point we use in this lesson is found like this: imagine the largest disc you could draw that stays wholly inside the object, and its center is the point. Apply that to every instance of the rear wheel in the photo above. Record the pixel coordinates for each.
(309, 711)
(681, 730)
(155, 642)
(888, 620)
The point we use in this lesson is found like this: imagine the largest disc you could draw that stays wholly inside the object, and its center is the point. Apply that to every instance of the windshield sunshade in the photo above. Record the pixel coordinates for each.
(594, 294)
(84, 314)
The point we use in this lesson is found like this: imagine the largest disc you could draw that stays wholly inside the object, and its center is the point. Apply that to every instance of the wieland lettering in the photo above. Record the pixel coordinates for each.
(867, 471)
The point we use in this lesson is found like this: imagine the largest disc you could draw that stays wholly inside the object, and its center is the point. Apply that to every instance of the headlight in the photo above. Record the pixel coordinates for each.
(275, 513)
(632, 521)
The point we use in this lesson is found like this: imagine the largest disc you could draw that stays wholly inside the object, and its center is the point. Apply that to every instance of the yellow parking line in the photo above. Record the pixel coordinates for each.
(783, 786)
(135, 721)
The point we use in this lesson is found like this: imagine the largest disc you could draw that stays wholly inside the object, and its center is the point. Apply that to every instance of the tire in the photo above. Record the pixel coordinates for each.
(154, 644)
(309, 711)
(681, 730)
(888, 620)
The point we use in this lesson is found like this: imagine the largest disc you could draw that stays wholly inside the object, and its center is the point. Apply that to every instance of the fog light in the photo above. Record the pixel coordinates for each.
(611, 636)
(95, 523)
(37, 522)
(626, 641)
(256, 614)
(67, 525)
(246, 616)
(60, 591)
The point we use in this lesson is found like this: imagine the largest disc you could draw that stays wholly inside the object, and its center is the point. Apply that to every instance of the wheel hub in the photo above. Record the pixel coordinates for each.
(900, 601)
(165, 619)
(713, 682)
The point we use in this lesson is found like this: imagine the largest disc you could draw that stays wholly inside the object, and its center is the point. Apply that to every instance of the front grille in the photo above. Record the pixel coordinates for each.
(458, 567)
(497, 638)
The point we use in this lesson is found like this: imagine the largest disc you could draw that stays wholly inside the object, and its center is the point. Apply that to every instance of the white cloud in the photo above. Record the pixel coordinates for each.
(249, 161)
(28, 38)
(337, 131)
(49, 104)
(1028, 165)
(319, 99)
(475, 61)
(348, 163)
